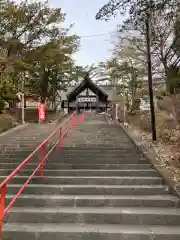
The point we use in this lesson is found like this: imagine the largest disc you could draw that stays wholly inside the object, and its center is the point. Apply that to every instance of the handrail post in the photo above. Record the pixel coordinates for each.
(2, 203)
(42, 160)
(60, 139)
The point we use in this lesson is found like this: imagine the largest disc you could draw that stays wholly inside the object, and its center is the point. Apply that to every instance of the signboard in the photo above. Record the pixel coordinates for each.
(41, 108)
(87, 99)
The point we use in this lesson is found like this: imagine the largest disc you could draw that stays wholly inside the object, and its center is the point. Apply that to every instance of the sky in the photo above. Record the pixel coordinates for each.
(82, 14)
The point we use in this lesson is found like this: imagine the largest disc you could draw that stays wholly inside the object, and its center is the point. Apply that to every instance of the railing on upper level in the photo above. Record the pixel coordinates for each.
(45, 148)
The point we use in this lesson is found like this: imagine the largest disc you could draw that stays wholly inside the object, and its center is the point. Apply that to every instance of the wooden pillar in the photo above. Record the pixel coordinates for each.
(97, 101)
(68, 107)
(77, 105)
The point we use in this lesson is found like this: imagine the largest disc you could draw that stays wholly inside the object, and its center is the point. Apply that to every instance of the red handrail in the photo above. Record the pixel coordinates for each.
(71, 122)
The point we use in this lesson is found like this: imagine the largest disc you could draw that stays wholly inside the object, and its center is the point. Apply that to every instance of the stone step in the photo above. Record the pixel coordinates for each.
(93, 156)
(95, 200)
(90, 189)
(23, 139)
(97, 149)
(125, 216)
(13, 159)
(22, 154)
(97, 160)
(105, 154)
(88, 232)
(99, 154)
(79, 152)
(89, 172)
(52, 165)
(18, 150)
(71, 142)
(21, 144)
(99, 180)
(17, 147)
(85, 160)
(19, 158)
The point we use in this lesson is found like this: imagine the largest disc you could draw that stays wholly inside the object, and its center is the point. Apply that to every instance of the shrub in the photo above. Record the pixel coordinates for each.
(166, 125)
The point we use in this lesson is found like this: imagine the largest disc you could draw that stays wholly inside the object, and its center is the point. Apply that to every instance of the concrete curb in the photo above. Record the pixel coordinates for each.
(14, 129)
(166, 174)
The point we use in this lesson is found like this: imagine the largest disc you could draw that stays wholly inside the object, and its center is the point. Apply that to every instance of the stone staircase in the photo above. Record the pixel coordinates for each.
(15, 146)
(99, 187)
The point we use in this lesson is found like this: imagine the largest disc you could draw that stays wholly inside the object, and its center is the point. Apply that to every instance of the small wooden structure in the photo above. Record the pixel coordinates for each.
(86, 96)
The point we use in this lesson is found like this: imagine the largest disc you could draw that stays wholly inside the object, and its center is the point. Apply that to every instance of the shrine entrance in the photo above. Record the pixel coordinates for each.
(87, 96)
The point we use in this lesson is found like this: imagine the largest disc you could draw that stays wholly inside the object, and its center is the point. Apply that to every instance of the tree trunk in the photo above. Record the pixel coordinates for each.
(44, 87)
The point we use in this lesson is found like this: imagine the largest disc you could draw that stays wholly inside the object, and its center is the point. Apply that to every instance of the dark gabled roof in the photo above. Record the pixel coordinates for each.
(86, 83)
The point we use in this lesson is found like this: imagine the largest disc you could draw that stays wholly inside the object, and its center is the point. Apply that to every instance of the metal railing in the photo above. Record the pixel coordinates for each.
(62, 130)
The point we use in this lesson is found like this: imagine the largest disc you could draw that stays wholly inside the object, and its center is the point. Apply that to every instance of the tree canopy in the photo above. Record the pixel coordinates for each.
(36, 51)
(163, 17)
